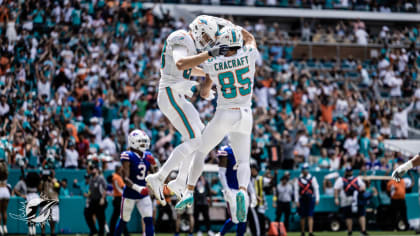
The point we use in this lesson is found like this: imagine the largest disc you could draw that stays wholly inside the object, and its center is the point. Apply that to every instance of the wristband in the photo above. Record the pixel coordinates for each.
(137, 188)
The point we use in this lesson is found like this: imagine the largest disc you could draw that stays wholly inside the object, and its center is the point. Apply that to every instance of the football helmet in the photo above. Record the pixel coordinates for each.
(204, 30)
(230, 36)
(138, 140)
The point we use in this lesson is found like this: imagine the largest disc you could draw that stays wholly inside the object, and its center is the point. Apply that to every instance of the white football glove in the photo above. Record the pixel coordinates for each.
(211, 95)
(184, 87)
(401, 170)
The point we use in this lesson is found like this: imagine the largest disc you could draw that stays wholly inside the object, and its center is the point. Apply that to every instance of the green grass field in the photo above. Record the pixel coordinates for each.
(356, 233)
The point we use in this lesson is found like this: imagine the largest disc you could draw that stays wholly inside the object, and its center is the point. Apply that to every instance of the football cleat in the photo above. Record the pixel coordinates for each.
(241, 206)
(176, 188)
(155, 183)
(186, 201)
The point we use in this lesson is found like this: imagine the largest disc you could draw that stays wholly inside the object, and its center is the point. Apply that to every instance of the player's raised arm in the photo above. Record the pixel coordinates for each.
(402, 169)
(184, 62)
(249, 39)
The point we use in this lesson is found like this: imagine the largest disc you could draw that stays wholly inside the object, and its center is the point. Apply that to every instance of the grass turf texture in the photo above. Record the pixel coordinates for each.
(355, 233)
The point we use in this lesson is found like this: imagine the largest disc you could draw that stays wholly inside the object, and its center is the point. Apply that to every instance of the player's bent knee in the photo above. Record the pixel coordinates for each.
(192, 145)
(126, 216)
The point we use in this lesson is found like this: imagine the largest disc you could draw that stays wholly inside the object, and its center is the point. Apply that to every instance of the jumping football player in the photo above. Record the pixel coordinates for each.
(234, 78)
(136, 164)
(179, 61)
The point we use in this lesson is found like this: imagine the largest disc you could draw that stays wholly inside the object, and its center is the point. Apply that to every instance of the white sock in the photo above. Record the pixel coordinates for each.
(196, 168)
(106, 228)
(1, 229)
(244, 173)
(5, 229)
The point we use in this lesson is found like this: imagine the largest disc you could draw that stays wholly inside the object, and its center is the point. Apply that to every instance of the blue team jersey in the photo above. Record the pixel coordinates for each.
(231, 168)
(139, 168)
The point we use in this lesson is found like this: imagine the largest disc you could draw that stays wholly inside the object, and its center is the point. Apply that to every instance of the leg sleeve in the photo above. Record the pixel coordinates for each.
(127, 206)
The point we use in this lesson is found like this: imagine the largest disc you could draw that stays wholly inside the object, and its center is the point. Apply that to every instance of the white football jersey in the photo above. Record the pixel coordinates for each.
(234, 77)
(169, 72)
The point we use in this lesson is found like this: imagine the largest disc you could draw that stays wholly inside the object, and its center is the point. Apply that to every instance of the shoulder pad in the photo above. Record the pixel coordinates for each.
(179, 37)
(125, 156)
(149, 157)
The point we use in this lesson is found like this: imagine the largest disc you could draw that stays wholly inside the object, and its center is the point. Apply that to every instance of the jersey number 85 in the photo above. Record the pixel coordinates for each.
(229, 87)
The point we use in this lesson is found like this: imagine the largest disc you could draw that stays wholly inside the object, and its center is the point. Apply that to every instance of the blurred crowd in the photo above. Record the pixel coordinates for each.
(76, 77)
(358, 5)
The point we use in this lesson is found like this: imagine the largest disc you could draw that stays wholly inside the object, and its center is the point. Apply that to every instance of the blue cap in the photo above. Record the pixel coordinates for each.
(349, 168)
(305, 166)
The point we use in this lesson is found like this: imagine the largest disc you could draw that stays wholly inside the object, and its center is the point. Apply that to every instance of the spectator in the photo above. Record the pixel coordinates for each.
(71, 155)
(400, 120)
(287, 147)
(64, 191)
(96, 130)
(362, 36)
(306, 197)
(351, 144)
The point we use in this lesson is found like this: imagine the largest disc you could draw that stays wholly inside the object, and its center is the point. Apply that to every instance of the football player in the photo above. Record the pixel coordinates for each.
(233, 75)
(182, 52)
(136, 164)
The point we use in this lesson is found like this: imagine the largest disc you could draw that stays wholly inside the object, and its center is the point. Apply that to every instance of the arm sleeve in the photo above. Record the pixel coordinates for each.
(361, 183)
(337, 184)
(222, 177)
(179, 52)
(410, 107)
(296, 187)
(316, 188)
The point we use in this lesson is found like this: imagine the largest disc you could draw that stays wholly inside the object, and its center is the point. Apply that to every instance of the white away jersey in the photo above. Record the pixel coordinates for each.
(169, 73)
(234, 77)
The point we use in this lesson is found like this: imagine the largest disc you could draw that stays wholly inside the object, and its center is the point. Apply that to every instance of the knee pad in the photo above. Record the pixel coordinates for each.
(125, 216)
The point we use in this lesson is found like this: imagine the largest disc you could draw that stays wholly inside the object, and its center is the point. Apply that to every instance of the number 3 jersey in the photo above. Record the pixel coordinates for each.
(234, 77)
(139, 168)
(169, 73)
